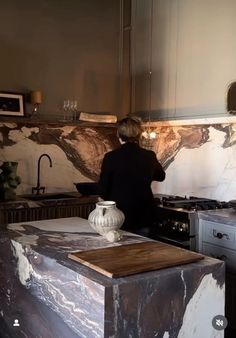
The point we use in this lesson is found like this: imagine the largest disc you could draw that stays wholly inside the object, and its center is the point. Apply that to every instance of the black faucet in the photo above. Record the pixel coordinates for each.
(38, 189)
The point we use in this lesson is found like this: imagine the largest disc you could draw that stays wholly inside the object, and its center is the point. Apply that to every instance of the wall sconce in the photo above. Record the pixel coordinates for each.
(35, 100)
(148, 134)
(148, 137)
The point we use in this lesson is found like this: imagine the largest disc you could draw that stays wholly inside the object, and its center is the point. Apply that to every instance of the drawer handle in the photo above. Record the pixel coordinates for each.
(220, 235)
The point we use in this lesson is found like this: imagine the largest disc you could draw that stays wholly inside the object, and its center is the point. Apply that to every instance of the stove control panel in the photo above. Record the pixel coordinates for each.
(174, 225)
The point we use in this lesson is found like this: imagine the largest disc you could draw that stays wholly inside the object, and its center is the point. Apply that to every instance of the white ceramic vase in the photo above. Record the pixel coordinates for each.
(106, 219)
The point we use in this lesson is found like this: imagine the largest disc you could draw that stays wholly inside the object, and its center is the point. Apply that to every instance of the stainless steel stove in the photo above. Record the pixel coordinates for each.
(176, 220)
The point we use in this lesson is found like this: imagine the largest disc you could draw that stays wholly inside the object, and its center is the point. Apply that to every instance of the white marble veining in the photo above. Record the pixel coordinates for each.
(24, 268)
(206, 303)
(199, 155)
(26, 152)
(207, 171)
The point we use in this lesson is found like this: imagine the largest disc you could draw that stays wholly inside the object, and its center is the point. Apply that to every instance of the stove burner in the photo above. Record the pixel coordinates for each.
(192, 203)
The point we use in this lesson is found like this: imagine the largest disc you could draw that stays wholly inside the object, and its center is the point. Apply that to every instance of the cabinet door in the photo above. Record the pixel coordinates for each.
(185, 50)
(227, 255)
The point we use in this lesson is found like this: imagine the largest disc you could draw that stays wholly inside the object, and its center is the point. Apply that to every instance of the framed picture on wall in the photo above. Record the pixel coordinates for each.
(11, 104)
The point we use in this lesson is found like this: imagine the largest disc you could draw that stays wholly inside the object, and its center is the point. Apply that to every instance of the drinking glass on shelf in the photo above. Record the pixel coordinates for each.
(75, 109)
(69, 110)
(66, 108)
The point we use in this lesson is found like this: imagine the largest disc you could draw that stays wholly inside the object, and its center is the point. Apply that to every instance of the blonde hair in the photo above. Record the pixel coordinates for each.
(129, 129)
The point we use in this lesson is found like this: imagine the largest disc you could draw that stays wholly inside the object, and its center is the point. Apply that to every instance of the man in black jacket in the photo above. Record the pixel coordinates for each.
(126, 177)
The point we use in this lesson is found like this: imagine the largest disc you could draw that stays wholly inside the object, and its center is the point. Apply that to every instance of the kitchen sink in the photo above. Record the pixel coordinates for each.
(48, 197)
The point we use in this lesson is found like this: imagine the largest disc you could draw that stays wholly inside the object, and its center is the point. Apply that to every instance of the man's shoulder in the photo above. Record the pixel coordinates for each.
(112, 153)
(148, 153)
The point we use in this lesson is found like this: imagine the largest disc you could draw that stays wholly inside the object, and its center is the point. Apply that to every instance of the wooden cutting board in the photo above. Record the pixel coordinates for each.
(130, 259)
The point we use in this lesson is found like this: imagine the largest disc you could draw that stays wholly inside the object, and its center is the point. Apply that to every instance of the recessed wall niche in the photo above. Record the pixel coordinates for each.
(231, 98)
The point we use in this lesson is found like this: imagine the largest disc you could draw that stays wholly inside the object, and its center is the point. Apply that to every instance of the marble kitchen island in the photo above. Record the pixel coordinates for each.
(51, 295)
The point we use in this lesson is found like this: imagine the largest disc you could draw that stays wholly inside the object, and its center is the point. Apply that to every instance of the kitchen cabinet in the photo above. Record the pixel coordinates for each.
(177, 43)
(217, 238)
(23, 209)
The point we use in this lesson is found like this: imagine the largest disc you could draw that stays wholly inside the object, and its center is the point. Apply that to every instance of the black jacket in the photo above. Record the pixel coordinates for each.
(126, 177)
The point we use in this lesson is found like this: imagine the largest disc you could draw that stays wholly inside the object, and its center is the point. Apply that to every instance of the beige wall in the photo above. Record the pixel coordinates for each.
(193, 56)
(69, 49)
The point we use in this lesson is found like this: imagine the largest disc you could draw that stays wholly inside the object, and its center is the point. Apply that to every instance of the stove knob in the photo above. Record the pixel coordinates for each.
(185, 226)
(175, 226)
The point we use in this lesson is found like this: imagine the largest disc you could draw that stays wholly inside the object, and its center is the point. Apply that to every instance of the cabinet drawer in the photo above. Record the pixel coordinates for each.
(226, 255)
(218, 234)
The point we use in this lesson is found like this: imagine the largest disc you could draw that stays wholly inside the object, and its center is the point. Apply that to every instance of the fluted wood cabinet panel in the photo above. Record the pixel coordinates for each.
(35, 214)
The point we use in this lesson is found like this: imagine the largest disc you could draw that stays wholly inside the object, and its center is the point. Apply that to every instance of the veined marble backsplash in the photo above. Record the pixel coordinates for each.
(199, 156)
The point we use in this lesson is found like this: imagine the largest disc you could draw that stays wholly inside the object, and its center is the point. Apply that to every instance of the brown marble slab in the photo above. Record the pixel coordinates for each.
(134, 258)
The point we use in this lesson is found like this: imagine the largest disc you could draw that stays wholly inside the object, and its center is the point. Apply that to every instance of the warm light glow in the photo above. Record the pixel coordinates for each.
(145, 134)
(151, 135)
(36, 97)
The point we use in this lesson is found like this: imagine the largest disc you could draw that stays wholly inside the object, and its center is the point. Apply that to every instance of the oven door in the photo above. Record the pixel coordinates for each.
(189, 244)
(182, 243)
(174, 227)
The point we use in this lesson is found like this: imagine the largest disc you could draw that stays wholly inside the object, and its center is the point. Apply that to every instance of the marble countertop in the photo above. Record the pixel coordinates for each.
(56, 238)
(225, 216)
